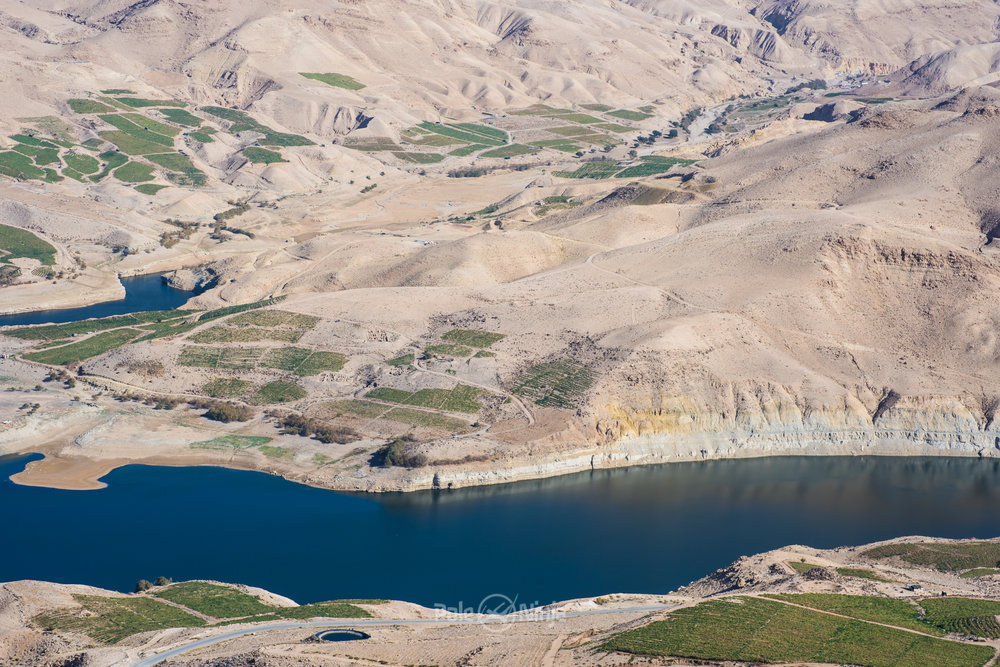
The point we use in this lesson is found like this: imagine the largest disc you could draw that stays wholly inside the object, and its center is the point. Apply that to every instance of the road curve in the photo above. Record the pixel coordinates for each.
(527, 617)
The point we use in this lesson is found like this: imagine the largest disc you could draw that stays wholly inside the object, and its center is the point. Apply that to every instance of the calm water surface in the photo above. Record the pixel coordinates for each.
(142, 293)
(648, 529)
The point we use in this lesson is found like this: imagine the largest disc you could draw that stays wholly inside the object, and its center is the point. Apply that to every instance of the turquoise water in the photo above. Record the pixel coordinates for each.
(647, 529)
(142, 293)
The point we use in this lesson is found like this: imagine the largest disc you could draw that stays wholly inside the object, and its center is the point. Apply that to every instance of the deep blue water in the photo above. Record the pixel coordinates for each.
(647, 529)
(142, 293)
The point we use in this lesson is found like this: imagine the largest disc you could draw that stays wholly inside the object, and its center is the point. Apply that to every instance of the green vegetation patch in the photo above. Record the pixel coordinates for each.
(467, 150)
(213, 600)
(757, 630)
(187, 173)
(276, 452)
(203, 137)
(602, 169)
(227, 442)
(356, 408)
(626, 114)
(131, 145)
(964, 615)
(124, 123)
(180, 116)
(134, 172)
(235, 358)
(581, 118)
(979, 572)
(227, 388)
(462, 398)
(570, 131)
(118, 91)
(246, 334)
(94, 346)
(802, 567)
(557, 384)
(17, 243)
(112, 160)
(597, 107)
(652, 164)
(240, 308)
(943, 556)
(616, 128)
(84, 164)
(88, 106)
(243, 122)
(512, 150)
(142, 102)
(334, 79)
(279, 391)
(319, 362)
(473, 338)
(900, 613)
(259, 155)
(426, 419)
(19, 165)
(419, 158)
(59, 331)
(147, 123)
(493, 133)
(476, 136)
(110, 620)
(149, 188)
(41, 154)
(29, 140)
(449, 350)
(402, 360)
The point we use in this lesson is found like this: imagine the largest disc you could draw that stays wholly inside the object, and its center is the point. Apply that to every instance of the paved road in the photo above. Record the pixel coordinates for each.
(374, 622)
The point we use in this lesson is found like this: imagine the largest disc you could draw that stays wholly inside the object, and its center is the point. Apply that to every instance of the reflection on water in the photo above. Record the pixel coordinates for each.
(142, 293)
(648, 529)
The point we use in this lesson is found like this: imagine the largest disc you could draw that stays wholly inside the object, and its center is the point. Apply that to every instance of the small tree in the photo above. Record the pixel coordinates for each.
(142, 585)
(163, 581)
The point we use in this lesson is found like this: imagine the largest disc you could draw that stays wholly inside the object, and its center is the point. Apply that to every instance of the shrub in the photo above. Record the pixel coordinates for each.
(308, 427)
(163, 581)
(142, 585)
(399, 453)
(224, 412)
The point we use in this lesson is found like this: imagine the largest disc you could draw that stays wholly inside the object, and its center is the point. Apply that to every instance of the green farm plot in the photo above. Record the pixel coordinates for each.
(462, 398)
(246, 334)
(240, 308)
(141, 102)
(449, 350)
(276, 452)
(47, 332)
(18, 165)
(149, 188)
(118, 91)
(431, 139)
(278, 391)
(285, 358)
(140, 133)
(110, 620)
(468, 149)
(94, 346)
(355, 408)
(513, 150)
(92, 144)
(180, 116)
(557, 384)
(88, 106)
(570, 130)
(185, 170)
(147, 123)
(616, 128)
(74, 174)
(203, 137)
(652, 165)
(274, 318)
(597, 107)
(83, 164)
(236, 358)
(964, 615)
(372, 144)
(112, 160)
(555, 204)
(319, 362)
(259, 155)
(134, 172)
(41, 155)
(16, 243)
(603, 140)
(487, 131)
(757, 630)
(400, 361)
(131, 145)
(334, 79)
(213, 600)
(603, 169)
(243, 122)
(232, 442)
(466, 136)
(900, 613)
(581, 118)
(564, 145)
(419, 158)
(227, 388)
(473, 337)
(29, 140)
(946, 557)
(626, 114)
(426, 419)
(539, 110)
(802, 566)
